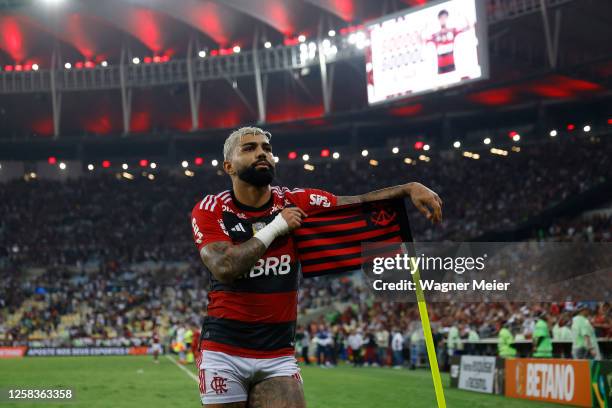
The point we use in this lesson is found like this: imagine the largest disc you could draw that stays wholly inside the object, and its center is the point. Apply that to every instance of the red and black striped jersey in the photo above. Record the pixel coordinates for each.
(444, 40)
(255, 315)
(329, 241)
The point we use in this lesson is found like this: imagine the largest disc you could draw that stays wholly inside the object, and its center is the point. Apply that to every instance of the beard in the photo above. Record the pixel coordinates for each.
(257, 177)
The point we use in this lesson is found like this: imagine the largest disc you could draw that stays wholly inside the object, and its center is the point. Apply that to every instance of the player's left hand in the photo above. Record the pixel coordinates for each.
(426, 201)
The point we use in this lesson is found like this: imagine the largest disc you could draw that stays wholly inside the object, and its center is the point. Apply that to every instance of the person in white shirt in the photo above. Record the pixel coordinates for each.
(355, 342)
(397, 346)
(382, 345)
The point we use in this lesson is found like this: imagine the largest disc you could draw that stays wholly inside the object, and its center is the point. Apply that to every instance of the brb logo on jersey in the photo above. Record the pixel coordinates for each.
(272, 265)
(196, 231)
(319, 200)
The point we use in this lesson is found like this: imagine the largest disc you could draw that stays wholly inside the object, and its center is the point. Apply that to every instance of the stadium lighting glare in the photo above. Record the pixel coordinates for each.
(90, 167)
(364, 153)
(360, 40)
(309, 167)
(553, 133)
(301, 38)
(276, 159)
(326, 43)
(236, 49)
(202, 54)
(373, 162)
(136, 60)
(352, 38)
(457, 144)
(408, 160)
(153, 165)
(124, 166)
(185, 164)
(499, 152)
(516, 137)
(331, 33)
(426, 147)
(305, 157)
(487, 141)
(268, 44)
(104, 64)
(34, 67)
(189, 173)
(215, 162)
(151, 177)
(62, 166)
(67, 65)
(395, 150)
(336, 155)
(586, 129)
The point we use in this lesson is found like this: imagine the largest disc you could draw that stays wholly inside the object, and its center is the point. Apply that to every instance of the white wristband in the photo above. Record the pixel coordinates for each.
(276, 228)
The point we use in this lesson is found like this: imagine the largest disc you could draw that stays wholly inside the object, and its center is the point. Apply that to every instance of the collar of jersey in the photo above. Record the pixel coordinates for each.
(248, 207)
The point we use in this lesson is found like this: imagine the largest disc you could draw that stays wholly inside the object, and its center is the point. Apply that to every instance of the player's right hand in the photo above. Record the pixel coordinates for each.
(293, 216)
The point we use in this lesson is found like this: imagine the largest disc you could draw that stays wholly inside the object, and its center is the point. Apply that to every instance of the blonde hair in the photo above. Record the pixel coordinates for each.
(234, 138)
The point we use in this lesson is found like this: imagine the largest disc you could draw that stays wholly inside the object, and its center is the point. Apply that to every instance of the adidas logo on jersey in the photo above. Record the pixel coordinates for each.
(238, 228)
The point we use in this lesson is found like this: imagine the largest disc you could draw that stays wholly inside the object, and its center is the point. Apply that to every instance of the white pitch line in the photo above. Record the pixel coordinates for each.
(189, 373)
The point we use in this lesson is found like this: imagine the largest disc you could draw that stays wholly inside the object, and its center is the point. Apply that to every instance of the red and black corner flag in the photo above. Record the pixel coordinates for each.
(329, 241)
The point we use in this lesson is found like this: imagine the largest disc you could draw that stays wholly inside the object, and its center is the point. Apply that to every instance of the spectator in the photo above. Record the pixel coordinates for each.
(397, 347)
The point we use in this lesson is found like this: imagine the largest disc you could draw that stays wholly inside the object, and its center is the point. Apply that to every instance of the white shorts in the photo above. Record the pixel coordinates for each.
(156, 347)
(225, 378)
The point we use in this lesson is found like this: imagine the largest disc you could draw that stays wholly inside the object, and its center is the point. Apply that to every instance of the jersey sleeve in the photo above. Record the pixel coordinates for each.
(310, 199)
(207, 224)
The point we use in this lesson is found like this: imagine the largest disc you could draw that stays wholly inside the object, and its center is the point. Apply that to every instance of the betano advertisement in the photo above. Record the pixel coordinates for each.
(552, 380)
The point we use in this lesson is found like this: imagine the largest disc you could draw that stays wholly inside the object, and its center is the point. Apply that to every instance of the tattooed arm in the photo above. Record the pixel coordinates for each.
(424, 199)
(227, 261)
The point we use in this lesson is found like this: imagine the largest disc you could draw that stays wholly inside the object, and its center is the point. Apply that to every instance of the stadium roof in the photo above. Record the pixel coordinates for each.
(89, 30)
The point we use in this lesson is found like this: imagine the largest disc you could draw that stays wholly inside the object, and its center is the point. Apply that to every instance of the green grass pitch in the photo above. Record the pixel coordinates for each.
(132, 381)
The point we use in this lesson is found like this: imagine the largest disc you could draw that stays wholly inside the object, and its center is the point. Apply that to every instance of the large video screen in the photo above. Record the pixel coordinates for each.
(424, 50)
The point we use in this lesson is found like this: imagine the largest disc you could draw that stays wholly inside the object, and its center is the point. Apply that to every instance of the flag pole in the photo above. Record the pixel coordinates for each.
(431, 350)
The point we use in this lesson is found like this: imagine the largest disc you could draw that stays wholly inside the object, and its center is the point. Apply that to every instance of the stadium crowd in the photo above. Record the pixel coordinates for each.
(102, 260)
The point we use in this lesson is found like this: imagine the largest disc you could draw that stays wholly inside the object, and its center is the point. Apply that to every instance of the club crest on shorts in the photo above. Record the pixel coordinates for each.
(258, 226)
(219, 384)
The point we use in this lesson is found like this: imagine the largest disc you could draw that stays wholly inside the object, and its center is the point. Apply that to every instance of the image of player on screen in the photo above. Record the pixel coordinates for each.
(444, 41)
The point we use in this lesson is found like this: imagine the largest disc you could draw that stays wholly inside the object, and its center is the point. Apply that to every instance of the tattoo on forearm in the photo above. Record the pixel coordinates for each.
(277, 392)
(227, 261)
(383, 194)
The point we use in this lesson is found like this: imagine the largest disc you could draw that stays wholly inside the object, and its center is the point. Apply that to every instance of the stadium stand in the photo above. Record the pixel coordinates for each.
(71, 278)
